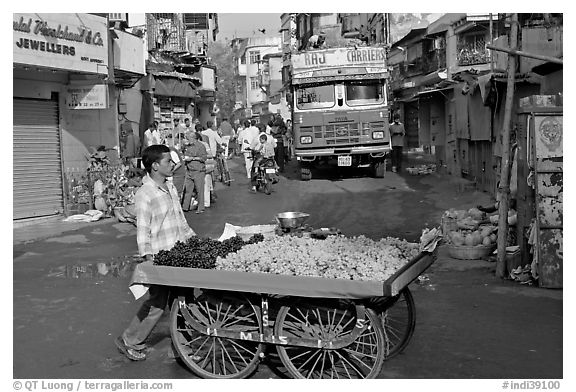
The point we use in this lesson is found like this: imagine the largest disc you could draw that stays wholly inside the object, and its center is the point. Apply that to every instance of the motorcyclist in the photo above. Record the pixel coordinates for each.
(263, 153)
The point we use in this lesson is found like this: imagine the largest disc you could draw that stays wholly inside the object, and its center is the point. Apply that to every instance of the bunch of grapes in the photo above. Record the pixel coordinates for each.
(337, 257)
(198, 252)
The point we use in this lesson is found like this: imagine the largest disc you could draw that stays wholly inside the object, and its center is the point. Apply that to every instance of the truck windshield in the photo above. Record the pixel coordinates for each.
(364, 93)
(315, 97)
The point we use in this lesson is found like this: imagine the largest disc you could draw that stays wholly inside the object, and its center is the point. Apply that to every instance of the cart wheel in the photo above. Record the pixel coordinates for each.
(399, 321)
(361, 359)
(212, 356)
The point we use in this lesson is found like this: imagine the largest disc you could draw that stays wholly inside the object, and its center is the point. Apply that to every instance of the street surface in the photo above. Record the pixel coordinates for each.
(68, 308)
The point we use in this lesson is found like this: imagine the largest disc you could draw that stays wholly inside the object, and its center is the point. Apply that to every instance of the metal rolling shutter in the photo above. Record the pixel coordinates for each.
(37, 170)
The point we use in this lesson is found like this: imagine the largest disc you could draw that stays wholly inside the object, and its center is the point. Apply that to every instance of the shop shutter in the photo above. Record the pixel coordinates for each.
(37, 170)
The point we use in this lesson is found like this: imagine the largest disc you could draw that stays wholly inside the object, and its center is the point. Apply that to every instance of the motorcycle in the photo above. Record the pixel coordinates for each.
(265, 173)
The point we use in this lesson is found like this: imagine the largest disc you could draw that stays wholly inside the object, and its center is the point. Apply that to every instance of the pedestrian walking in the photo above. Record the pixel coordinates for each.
(397, 133)
(209, 194)
(188, 129)
(160, 224)
(177, 131)
(195, 157)
(239, 136)
(177, 177)
(290, 139)
(130, 145)
(279, 133)
(249, 140)
(227, 134)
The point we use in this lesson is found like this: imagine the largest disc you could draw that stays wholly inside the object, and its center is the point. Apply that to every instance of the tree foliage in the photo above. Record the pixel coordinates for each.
(220, 54)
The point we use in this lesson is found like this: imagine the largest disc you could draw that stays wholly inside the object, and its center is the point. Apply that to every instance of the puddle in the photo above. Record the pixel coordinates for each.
(114, 269)
(70, 239)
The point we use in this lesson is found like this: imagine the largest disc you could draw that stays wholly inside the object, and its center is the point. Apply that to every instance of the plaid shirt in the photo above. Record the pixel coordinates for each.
(160, 221)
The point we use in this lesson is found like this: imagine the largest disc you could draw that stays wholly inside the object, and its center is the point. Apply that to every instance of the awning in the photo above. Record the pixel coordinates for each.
(174, 87)
(433, 78)
(434, 90)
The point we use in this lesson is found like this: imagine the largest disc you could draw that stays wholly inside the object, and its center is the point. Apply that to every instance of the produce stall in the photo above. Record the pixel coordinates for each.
(233, 297)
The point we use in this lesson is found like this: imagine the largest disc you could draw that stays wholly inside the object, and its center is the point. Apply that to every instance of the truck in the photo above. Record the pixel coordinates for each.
(340, 110)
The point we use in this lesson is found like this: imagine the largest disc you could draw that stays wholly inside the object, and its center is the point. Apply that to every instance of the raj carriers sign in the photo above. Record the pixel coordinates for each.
(340, 57)
(75, 42)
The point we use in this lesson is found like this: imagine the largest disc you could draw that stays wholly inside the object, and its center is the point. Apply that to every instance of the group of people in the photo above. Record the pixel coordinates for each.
(258, 141)
(194, 149)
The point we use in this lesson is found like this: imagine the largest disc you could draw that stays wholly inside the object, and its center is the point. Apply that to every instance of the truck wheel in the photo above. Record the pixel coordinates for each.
(379, 168)
(305, 174)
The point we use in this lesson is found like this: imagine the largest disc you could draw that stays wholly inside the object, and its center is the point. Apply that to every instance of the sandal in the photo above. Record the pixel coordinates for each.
(130, 353)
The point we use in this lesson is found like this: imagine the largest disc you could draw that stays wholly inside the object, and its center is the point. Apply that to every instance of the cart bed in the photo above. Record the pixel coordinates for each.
(303, 286)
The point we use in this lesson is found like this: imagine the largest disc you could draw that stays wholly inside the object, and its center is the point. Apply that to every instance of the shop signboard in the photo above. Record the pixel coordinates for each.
(73, 42)
(87, 97)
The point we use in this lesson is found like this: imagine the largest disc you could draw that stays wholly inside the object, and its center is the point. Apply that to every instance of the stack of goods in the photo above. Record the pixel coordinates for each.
(421, 169)
(198, 252)
(336, 257)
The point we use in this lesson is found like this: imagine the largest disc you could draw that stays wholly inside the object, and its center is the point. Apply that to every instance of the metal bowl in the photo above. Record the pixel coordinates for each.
(291, 220)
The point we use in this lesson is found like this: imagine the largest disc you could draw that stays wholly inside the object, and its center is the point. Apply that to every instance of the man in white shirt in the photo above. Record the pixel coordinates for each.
(177, 132)
(249, 140)
(213, 138)
(152, 135)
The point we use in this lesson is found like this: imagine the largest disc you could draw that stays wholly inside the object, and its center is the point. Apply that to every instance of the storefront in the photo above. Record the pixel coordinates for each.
(62, 105)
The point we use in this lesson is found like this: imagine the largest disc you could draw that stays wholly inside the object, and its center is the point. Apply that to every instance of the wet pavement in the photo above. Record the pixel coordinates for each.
(71, 296)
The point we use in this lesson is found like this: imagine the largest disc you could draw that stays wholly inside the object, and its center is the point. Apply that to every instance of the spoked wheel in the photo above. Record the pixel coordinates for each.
(399, 321)
(213, 356)
(363, 358)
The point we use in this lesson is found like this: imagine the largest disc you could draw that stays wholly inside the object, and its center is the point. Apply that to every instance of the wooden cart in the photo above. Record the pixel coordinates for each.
(222, 321)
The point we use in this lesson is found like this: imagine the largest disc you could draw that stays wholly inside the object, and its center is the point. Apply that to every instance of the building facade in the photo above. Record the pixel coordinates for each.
(251, 97)
(65, 102)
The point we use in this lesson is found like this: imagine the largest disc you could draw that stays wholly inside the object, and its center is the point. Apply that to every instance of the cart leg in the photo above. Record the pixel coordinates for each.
(211, 356)
(399, 320)
(363, 358)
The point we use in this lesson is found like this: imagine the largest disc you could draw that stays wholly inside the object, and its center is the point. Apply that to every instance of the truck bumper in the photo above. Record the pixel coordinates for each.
(323, 152)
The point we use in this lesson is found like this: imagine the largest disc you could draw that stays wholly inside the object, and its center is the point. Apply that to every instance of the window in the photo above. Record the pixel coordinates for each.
(254, 56)
(364, 93)
(243, 59)
(315, 97)
(196, 21)
(254, 83)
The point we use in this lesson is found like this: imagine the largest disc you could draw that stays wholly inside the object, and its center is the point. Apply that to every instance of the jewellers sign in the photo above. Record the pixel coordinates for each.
(74, 42)
(87, 97)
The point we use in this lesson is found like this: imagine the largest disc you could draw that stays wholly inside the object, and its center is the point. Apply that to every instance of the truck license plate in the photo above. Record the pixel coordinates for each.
(270, 170)
(344, 160)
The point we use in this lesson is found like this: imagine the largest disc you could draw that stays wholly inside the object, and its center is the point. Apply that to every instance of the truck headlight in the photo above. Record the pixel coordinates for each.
(305, 139)
(378, 135)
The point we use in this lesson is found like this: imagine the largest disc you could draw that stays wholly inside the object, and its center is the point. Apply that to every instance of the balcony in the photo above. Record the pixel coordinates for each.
(472, 53)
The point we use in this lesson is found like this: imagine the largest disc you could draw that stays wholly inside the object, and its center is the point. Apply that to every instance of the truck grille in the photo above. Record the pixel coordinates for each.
(342, 133)
(372, 126)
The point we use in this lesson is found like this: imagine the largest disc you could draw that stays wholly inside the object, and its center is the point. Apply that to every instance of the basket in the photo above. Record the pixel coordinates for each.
(248, 231)
(470, 252)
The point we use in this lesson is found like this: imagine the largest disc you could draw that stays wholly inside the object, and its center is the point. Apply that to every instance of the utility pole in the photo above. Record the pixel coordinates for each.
(504, 189)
